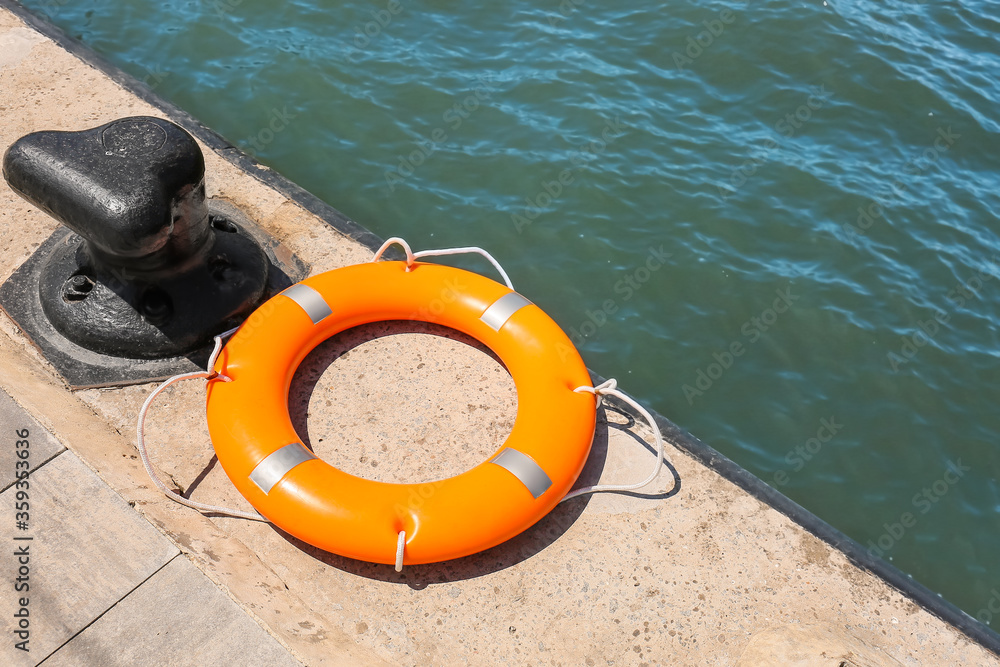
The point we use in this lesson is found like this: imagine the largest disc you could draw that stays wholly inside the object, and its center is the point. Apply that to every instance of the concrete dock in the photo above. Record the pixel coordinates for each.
(706, 567)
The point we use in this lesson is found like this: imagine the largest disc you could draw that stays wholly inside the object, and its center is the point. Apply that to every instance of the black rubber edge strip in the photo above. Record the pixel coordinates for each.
(704, 454)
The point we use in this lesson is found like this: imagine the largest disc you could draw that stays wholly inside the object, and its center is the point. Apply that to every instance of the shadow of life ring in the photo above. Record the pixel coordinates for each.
(533, 470)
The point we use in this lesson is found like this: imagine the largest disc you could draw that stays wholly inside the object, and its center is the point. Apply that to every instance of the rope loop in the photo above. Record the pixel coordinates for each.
(140, 434)
(400, 547)
(610, 388)
(395, 240)
(600, 390)
(411, 256)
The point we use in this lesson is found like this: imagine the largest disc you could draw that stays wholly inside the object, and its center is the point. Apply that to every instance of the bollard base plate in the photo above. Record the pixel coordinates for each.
(83, 368)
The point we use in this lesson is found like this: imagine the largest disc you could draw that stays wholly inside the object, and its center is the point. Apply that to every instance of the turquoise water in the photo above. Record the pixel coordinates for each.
(774, 223)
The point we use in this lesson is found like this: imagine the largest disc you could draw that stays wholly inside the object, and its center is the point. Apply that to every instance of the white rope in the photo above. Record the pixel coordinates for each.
(400, 546)
(411, 256)
(610, 388)
(395, 240)
(141, 436)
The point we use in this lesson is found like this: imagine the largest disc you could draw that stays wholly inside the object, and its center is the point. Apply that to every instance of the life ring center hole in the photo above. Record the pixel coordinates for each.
(403, 402)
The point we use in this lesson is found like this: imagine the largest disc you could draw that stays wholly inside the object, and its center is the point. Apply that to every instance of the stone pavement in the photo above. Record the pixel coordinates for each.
(103, 587)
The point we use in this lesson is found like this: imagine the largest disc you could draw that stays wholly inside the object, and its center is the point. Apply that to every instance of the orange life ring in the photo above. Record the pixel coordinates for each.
(264, 457)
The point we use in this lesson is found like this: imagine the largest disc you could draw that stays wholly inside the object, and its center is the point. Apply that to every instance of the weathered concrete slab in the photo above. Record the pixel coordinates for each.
(690, 572)
(806, 645)
(227, 561)
(177, 617)
(41, 445)
(16, 44)
(448, 406)
(699, 574)
(88, 550)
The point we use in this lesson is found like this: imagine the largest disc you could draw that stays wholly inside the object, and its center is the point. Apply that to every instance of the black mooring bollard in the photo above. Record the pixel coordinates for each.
(151, 270)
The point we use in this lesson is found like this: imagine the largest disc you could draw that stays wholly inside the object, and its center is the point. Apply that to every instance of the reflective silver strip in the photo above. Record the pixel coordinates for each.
(525, 469)
(501, 310)
(277, 464)
(310, 301)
